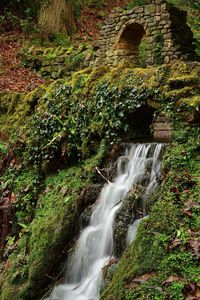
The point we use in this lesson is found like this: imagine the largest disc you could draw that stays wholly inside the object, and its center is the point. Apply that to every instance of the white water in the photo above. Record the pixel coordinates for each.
(94, 249)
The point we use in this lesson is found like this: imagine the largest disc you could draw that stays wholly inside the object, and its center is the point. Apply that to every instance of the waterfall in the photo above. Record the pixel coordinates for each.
(139, 165)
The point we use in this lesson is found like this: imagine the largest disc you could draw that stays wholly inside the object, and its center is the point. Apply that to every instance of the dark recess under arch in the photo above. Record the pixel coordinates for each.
(129, 42)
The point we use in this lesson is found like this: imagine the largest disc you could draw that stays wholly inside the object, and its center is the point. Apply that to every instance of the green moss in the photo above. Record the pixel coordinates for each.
(46, 60)
(16, 109)
(3, 149)
(181, 93)
(154, 249)
(64, 124)
(192, 101)
(53, 226)
(184, 80)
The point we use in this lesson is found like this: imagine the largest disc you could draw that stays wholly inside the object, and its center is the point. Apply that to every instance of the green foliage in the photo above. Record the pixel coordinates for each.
(142, 53)
(135, 3)
(72, 126)
(3, 149)
(163, 242)
(8, 21)
(192, 7)
(61, 39)
(24, 187)
(78, 4)
(58, 208)
(68, 122)
(18, 14)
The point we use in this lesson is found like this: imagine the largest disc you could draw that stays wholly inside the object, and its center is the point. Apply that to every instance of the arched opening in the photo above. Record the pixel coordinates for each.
(128, 46)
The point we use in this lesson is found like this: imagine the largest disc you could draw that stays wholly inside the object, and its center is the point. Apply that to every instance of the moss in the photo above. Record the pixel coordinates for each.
(67, 122)
(181, 81)
(156, 248)
(53, 226)
(192, 101)
(181, 93)
(3, 149)
(16, 109)
(68, 58)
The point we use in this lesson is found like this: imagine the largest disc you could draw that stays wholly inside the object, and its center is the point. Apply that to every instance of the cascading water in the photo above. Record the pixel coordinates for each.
(94, 249)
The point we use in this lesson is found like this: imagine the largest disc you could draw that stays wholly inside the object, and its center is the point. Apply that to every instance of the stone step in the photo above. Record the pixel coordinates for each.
(162, 126)
(181, 82)
(182, 93)
(162, 135)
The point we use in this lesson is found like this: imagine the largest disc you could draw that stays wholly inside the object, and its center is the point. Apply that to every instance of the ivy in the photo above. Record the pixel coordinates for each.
(71, 125)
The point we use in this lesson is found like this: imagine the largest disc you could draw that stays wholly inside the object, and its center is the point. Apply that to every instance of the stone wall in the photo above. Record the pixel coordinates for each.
(162, 128)
(168, 37)
(58, 62)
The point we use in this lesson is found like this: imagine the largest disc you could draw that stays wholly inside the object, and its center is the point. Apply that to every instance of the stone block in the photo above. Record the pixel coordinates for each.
(163, 22)
(158, 9)
(130, 12)
(162, 126)
(167, 36)
(163, 135)
(109, 53)
(149, 9)
(167, 59)
(168, 25)
(123, 18)
(138, 10)
(163, 7)
(165, 16)
(150, 20)
(165, 30)
(60, 59)
(155, 32)
(174, 56)
(157, 18)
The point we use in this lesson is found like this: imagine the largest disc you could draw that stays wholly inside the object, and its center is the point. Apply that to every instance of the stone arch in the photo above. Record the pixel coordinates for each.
(164, 25)
(128, 41)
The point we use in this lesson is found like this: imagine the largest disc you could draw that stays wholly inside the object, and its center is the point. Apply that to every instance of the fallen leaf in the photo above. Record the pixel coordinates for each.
(174, 243)
(12, 197)
(195, 246)
(189, 206)
(171, 279)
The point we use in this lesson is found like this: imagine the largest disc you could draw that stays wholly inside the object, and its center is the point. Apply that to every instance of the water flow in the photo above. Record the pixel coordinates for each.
(94, 249)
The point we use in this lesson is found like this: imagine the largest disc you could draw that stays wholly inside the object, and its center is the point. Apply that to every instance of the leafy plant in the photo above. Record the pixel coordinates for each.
(72, 126)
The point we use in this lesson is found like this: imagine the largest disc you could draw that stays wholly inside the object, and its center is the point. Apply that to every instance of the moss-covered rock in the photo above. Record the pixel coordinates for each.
(40, 247)
(49, 61)
(64, 124)
(163, 262)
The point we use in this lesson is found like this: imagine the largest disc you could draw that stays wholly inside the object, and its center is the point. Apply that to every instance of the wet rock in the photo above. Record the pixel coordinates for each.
(88, 198)
(125, 216)
(108, 272)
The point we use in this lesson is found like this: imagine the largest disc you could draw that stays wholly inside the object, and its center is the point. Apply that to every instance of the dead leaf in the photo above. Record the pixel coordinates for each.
(195, 246)
(171, 279)
(189, 206)
(187, 212)
(174, 190)
(174, 243)
(12, 197)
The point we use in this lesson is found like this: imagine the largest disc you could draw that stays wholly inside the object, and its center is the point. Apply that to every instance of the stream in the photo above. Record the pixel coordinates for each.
(140, 164)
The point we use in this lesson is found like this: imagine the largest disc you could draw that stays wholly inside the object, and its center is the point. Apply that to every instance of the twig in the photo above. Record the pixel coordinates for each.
(98, 171)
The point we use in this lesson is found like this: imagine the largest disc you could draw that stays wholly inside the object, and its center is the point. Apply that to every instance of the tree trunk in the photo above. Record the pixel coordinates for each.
(56, 17)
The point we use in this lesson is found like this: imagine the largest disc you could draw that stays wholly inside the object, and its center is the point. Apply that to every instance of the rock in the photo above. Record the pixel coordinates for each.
(124, 218)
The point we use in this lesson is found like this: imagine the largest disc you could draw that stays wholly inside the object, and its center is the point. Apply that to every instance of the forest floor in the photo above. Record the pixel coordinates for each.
(14, 77)
(91, 19)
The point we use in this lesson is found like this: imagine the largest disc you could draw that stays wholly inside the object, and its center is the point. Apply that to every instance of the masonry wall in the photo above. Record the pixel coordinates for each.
(168, 37)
